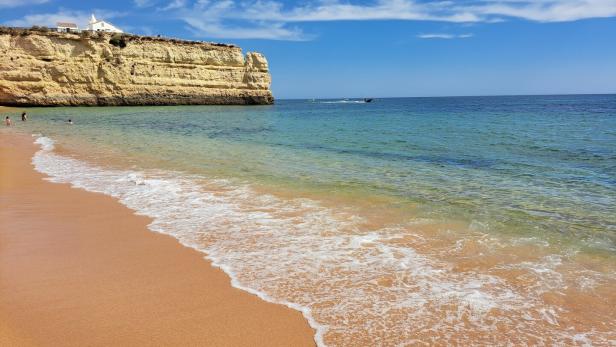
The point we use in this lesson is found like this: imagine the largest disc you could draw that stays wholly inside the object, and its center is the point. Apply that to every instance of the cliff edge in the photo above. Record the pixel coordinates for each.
(40, 68)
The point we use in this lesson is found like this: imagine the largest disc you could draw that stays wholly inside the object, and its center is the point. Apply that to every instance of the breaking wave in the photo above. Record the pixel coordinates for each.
(354, 286)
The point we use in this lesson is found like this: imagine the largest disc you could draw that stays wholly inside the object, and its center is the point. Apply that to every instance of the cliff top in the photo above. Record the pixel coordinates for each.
(125, 37)
(43, 67)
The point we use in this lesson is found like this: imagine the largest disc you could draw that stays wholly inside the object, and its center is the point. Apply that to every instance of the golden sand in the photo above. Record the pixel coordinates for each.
(78, 268)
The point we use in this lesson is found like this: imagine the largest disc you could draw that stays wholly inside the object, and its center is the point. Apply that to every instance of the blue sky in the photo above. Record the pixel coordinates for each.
(379, 48)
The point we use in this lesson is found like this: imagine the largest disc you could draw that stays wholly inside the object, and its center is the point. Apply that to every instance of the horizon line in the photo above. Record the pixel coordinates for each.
(444, 96)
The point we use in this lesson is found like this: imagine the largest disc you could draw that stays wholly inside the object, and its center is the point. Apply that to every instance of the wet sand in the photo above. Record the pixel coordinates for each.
(78, 268)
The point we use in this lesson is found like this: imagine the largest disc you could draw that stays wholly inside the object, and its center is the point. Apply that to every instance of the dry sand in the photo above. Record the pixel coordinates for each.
(78, 268)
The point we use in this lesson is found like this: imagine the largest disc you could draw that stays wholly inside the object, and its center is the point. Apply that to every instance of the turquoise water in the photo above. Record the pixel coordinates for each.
(468, 208)
(534, 164)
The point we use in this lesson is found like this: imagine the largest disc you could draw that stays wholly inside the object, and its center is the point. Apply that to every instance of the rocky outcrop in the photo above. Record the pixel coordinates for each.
(62, 69)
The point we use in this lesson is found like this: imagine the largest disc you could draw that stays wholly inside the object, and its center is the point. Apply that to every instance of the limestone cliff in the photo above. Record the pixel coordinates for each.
(63, 69)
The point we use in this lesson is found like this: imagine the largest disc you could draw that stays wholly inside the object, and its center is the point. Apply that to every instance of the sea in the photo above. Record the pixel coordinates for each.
(398, 222)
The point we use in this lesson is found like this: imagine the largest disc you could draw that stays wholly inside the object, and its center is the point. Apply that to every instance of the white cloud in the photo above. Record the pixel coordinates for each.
(175, 4)
(268, 31)
(548, 10)
(139, 30)
(144, 3)
(15, 3)
(267, 10)
(447, 11)
(50, 19)
(444, 36)
(270, 18)
(277, 19)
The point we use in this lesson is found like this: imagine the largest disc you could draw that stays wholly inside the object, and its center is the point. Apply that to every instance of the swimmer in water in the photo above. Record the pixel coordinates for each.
(24, 117)
(7, 121)
(69, 121)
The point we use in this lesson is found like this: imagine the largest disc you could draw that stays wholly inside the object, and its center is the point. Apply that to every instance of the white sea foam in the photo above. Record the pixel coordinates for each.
(343, 102)
(357, 286)
(46, 143)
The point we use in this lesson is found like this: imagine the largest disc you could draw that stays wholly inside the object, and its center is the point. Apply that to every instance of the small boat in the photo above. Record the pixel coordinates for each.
(367, 99)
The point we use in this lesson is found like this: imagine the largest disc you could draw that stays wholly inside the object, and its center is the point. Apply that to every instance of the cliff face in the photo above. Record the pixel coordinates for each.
(60, 69)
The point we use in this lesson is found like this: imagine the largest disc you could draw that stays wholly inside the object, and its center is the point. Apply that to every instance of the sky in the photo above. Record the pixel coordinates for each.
(381, 48)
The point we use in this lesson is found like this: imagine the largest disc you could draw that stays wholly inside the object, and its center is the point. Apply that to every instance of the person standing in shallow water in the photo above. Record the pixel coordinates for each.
(7, 121)
(24, 117)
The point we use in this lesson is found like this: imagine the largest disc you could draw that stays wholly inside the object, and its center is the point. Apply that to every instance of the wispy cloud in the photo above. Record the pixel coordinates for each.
(279, 20)
(444, 36)
(50, 19)
(139, 30)
(270, 19)
(546, 10)
(144, 3)
(214, 20)
(447, 11)
(15, 3)
(267, 31)
(175, 4)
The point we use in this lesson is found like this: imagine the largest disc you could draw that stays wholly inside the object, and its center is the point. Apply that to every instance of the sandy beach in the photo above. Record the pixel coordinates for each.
(78, 268)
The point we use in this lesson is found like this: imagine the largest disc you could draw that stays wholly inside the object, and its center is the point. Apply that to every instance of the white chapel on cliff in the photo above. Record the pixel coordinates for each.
(101, 25)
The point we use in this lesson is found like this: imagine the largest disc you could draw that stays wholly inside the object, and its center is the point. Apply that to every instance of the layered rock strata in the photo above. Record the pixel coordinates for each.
(65, 69)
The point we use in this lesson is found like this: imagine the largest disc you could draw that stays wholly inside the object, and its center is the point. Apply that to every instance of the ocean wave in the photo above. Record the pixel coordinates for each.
(355, 287)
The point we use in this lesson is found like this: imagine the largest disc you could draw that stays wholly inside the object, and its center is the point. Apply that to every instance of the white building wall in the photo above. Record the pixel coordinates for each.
(101, 25)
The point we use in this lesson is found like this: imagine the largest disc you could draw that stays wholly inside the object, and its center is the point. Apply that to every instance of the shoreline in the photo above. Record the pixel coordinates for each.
(79, 268)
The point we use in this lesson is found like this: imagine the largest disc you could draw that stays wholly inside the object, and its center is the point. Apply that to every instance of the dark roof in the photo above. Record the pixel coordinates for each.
(67, 25)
